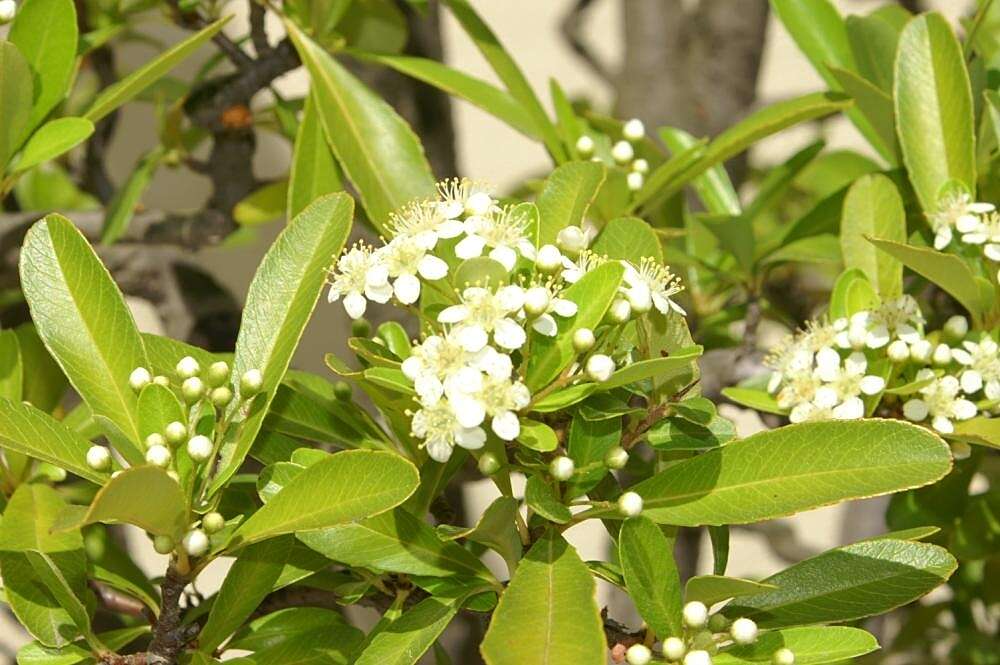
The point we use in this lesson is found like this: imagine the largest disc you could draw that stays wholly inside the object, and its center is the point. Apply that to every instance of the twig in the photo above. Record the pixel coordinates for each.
(118, 602)
(258, 30)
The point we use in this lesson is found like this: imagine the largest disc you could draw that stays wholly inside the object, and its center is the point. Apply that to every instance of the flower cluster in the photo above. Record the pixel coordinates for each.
(622, 153)
(468, 370)
(829, 369)
(976, 224)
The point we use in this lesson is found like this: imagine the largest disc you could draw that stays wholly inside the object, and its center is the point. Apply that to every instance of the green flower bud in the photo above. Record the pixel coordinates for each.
(217, 374)
(718, 623)
(342, 391)
(583, 340)
(361, 328)
(488, 464)
(161, 380)
(192, 390)
(139, 378)
(250, 383)
(221, 396)
(155, 439)
(213, 522)
(188, 367)
(163, 544)
(616, 458)
(176, 433)
(199, 448)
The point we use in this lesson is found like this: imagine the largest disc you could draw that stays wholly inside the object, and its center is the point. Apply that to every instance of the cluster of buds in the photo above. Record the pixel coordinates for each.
(196, 541)
(622, 153)
(703, 636)
(468, 369)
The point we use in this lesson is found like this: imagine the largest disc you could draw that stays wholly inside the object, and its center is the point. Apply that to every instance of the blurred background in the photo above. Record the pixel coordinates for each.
(699, 65)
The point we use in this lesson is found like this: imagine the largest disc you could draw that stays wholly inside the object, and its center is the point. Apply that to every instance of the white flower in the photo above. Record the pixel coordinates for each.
(504, 231)
(424, 223)
(541, 302)
(436, 366)
(463, 196)
(986, 233)
(360, 276)
(956, 211)
(844, 382)
(483, 312)
(440, 430)
(502, 398)
(585, 261)
(790, 357)
(982, 361)
(941, 401)
(893, 319)
(652, 283)
(406, 258)
(809, 412)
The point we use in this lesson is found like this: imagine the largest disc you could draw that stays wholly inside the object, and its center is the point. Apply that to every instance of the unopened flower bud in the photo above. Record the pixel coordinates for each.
(634, 180)
(960, 450)
(188, 367)
(176, 433)
(616, 458)
(620, 311)
(213, 522)
(155, 439)
(221, 396)
(717, 623)
(488, 464)
(898, 351)
(536, 301)
(479, 203)
(638, 654)
(743, 631)
(549, 259)
(640, 166)
(195, 542)
(192, 390)
(562, 468)
(163, 544)
(583, 340)
(139, 378)
(600, 367)
(99, 458)
(250, 383)
(698, 657)
(942, 354)
(956, 328)
(674, 648)
(783, 656)
(633, 130)
(630, 504)
(695, 614)
(572, 240)
(161, 380)
(921, 350)
(342, 391)
(158, 456)
(622, 152)
(361, 328)
(199, 448)
(217, 374)
(8, 9)
(585, 146)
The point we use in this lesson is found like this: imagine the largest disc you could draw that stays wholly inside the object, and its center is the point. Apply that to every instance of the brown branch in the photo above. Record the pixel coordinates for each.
(170, 636)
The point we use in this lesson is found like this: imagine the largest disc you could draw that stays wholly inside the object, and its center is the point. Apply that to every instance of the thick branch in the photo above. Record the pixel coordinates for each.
(169, 635)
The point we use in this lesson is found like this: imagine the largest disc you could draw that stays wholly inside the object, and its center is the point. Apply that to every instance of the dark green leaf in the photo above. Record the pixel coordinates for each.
(647, 559)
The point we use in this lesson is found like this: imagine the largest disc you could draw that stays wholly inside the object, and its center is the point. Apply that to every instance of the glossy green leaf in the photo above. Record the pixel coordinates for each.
(875, 105)
(713, 186)
(277, 627)
(593, 295)
(395, 542)
(811, 646)
(540, 498)
(345, 487)
(567, 195)
(753, 398)
(81, 316)
(144, 496)
(31, 432)
(158, 406)
(934, 108)
(984, 431)
(873, 42)
(389, 172)
(873, 208)
(628, 238)
(651, 577)
(35, 653)
(407, 638)
(314, 170)
(848, 583)
(560, 399)
(711, 589)
(279, 303)
(53, 139)
(794, 468)
(127, 88)
(589, 443)
(548, 614)
(45, 32)
(44, 382)
(645, 369)
(852, 293)
(15, 100)
(537, 436)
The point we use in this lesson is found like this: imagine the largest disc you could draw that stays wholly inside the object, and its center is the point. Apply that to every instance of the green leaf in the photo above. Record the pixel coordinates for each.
(48, 572)
(126, 89)
(144, 496)
(537, 436)
(548, 614)
(645, 369)
(389, 172)
(713, 186)
(44, 382)
(277, 627)
(254, 575)
(873, 42)
(794, 468)
(15, 100)
(852, 293)
(11, 369)
(560, 399)
(45, 33)
(395, 542)
(647, 559)
(873, 208)
(934, 108)
(753, 398)
(34, 653)
(158, 406)
(345, 487)
(509, 74)
(848, 583)
(811, 646)
(406, 639)
(31, 432)
(567, 195)
(543, 501)
(53, 139)
(875, 105)
(314, 170)
(589, 443)
(948, 271)
(669, 177)
(82, 318)
(279, 303)
(628, 238)
(593, 295)
(823, 248)
(977, 532)
(712, 589)
(984, 431)
(264, 205)
(455, 83)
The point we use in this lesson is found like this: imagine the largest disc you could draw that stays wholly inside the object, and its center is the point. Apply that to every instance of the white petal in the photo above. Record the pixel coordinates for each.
(511, 297)
(877, 337)
(505, 256)
(774, 382)
(856, 363)
(431, 268)
(546, 325)
(379, 293)
(915, 410)
(472, 438)
(974, 238)
(509, 334)
(429, 388)
(412, 367)
(377, 275)
(470, 247)
(964, 409)
(872, 385)
(825, 397)
(942, 424)
(355, 305)
(972, 381)
(438, 450)
(942, 238)
(980, 208)
(453, 314)
(472, 338)
(451, 209)
(333, 295)
(407, 289)
(469, 412)
(450, 228)
(851, 409)
(827, 362)
(967, 223)
(992, 251)
(908, 333)
(506, 425)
